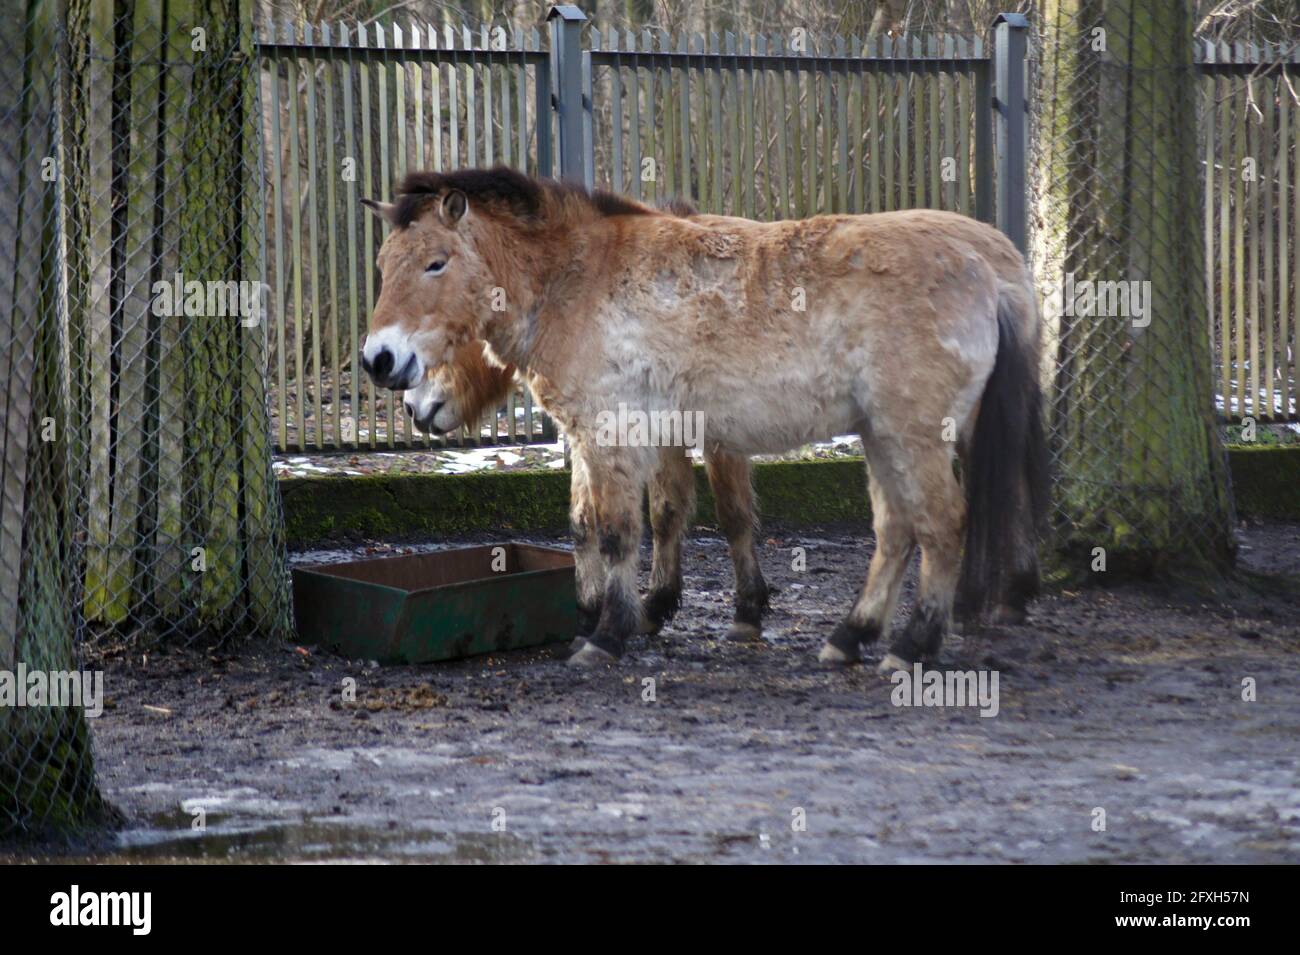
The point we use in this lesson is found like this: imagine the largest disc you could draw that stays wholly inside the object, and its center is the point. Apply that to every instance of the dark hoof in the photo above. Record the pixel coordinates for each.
(921, 639)
(846, 642)
(659, 607)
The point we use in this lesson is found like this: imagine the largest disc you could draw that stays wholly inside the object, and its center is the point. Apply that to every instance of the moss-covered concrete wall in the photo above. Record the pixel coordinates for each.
(1266, 483)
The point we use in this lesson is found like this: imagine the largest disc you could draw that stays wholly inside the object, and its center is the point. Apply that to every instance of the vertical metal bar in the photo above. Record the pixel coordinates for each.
(1252, 226)
(901, 46)
(764, 127)
(1010, 35)
(544, 109)
(588, 117)
(715, 96)
(1222, 93)
(873, 88)
(295, 249)
(568, 83)
(963, 80)
(1266, 225)
(368, 230)
(616, 112)
(1286, 251)
(1207, 86)
(669, 124)
(331, 237)
(684, 182)
(277, 180)
(842, 125)
(354, 310)
(634, 122)
(471, 105)
(435, 99)
(747, 120)
(889, 85)
(985, 180)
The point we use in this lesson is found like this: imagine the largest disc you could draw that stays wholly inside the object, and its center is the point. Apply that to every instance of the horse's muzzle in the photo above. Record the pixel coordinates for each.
(384, 373)
(424, 423)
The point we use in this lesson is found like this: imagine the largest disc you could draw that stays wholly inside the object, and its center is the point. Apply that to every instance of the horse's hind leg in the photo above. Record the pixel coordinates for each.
(672, 505)
(891, 520)
(733, 495)
(938, 524)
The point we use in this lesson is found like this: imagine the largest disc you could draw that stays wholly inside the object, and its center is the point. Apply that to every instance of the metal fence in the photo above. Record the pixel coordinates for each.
(46, 767)
(811, 124)
(138, 497)
(348, 111)
(1119, 247)
(1250, 129)
(767, 127)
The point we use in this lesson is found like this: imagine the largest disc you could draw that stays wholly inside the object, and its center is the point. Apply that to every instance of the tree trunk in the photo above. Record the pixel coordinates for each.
(1140, 470)
(47, 777)
(184, 530)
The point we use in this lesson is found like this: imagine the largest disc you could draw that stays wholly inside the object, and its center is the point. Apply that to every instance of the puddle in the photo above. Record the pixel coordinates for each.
(168, 836)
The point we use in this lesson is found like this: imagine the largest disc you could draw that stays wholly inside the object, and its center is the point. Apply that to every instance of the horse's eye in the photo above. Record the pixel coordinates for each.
(437, 267)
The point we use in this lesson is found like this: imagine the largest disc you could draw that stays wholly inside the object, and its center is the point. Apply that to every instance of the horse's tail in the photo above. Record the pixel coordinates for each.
(1005, 470)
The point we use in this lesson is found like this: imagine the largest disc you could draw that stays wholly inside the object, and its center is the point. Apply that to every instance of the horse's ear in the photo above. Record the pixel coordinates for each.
(386, 210)
(453, 208)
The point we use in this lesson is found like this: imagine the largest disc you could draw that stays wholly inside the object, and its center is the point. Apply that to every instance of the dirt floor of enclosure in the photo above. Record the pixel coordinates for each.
(1122, 700)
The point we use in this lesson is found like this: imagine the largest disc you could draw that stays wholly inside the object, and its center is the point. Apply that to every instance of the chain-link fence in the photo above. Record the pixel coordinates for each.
(46, 770)
(139, 500)
(1118, 250)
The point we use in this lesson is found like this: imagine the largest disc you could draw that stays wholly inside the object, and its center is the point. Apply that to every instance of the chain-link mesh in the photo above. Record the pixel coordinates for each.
(137, 459)
(46, 771)
(1118, 249)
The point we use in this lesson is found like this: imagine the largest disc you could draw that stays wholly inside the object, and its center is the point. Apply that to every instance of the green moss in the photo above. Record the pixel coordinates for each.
(811, 492)
(332, 508)
(1266, 482)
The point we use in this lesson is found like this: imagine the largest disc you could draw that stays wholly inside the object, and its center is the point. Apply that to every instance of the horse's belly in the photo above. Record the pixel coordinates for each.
(771, 424)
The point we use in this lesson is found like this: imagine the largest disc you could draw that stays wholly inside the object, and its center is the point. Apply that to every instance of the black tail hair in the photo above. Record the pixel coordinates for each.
(1006, 477)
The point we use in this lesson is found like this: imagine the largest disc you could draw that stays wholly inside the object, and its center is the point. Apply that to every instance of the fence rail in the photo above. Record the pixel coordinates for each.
(892, 124)
(767, 127)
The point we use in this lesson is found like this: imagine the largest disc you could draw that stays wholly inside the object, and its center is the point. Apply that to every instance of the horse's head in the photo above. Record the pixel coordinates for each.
(431, 294)
(459, 392)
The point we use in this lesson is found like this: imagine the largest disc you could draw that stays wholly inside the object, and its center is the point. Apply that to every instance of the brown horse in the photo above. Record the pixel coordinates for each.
(462, 390)
(916, 329)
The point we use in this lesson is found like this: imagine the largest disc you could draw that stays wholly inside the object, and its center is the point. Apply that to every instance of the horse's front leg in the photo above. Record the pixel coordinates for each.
(616, 482)
(589, 566)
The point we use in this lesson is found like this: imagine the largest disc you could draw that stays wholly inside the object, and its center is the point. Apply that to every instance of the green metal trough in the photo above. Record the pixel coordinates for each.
(438, 606)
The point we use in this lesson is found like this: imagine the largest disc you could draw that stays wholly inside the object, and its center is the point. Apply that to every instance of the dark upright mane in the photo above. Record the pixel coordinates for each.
(506, 188)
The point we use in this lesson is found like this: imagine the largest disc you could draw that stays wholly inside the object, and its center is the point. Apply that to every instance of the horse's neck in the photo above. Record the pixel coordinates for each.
(534, 270)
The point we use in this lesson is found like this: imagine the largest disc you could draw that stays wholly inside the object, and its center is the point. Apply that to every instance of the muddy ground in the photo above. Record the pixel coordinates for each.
(1126, 700)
